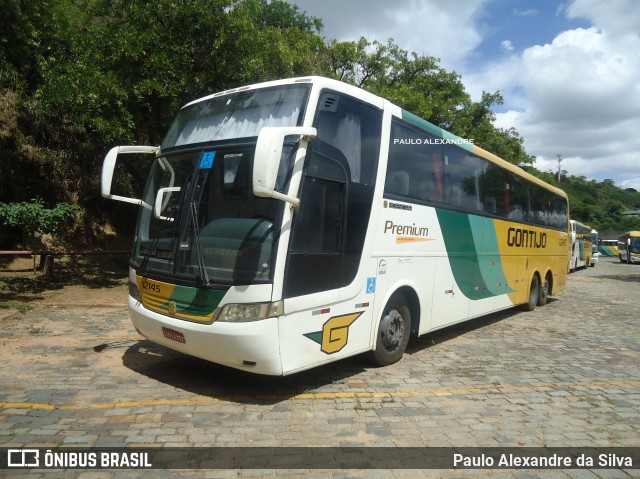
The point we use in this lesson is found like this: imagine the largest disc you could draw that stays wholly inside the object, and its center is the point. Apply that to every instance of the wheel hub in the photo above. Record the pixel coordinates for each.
(392, 329)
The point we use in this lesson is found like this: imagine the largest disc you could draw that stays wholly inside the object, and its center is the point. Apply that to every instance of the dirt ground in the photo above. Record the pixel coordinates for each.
(79, 280)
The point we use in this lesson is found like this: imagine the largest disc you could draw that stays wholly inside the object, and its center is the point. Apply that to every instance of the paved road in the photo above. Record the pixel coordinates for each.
(563, 375)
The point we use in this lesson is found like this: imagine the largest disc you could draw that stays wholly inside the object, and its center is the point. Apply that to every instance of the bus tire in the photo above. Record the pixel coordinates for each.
(534, 292)
(543, 292)
(393, 332)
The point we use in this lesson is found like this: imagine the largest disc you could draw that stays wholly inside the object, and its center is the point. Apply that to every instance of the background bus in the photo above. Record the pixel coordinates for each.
(594, 247)
(629, 247)
(292, 223)
(608, 248)
(581, 246)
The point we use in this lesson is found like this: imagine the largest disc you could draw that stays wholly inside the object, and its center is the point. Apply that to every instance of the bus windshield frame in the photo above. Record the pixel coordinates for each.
(204, 226)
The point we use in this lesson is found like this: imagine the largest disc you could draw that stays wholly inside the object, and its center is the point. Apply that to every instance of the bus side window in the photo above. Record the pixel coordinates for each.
(415, 169)
(398, 183)
(346, 125)
(430, 188)
(493, 181)
(461, 179)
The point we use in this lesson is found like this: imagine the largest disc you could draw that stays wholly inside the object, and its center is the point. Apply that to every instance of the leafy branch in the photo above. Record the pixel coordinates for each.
(34, 220)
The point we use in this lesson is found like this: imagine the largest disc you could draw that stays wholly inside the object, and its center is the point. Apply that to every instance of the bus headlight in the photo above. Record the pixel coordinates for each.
(241, 313)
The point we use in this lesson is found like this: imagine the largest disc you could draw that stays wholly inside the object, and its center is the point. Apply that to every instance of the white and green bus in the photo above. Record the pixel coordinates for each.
(581, 254)
(289, 224)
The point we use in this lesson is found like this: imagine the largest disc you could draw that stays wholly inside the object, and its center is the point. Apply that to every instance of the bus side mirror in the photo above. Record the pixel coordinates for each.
(267, 159)
(162, 202)
(109, 165)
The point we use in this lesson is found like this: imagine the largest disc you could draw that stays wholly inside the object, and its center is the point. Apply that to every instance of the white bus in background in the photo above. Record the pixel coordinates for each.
(293, 223)
(594, 247)
(581, 247)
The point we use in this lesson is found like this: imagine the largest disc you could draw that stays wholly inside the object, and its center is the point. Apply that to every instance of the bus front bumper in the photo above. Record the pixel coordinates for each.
(251, 346)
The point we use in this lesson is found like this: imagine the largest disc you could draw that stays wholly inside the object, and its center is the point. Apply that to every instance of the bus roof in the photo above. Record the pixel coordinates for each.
(581, 224)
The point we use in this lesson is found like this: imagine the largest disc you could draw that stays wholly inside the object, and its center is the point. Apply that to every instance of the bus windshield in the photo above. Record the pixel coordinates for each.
(635, 245)
(205, 224)
(237, 115)
(200, 220)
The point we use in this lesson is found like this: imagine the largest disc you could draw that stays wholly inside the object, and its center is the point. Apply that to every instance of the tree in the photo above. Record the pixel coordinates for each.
(115, 71)
(418, 84)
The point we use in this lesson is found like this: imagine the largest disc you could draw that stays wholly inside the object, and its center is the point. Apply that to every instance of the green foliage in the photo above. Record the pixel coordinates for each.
(418, 84)
(597, 204)
(278, 14)
(33, 219)
(96, 73)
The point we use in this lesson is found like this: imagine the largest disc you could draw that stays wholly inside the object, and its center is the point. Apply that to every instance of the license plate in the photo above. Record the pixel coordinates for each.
(173, 334)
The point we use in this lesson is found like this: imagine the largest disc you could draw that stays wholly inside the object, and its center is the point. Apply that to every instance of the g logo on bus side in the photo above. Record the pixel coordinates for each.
(335, 333)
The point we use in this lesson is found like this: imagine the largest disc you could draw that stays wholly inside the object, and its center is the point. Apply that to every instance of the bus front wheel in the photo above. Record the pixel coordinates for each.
(393, 332)
(534, 293)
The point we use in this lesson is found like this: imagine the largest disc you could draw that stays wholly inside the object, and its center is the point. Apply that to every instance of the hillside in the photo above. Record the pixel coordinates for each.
(597, 204)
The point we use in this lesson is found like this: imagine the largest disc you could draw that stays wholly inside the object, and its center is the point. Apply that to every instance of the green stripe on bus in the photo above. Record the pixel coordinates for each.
(477, 276)
(491, 263)
(196, 301)
(462, 253)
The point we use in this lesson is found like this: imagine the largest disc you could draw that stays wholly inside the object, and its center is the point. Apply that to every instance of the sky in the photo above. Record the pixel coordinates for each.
(569, 71)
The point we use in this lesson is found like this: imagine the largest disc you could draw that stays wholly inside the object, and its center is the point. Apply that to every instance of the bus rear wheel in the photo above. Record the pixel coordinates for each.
(393, 332)
(543, 292)
(534, 293)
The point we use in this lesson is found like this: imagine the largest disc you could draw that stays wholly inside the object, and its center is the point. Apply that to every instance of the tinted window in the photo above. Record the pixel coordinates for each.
(462, 179)
(319, 227)
(415, 166)
(422, 169)
(353, 128)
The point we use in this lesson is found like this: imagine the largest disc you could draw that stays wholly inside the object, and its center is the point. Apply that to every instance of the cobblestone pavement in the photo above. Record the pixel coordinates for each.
(564, 375)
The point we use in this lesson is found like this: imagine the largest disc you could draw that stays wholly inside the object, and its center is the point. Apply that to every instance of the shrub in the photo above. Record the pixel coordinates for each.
(34, 220)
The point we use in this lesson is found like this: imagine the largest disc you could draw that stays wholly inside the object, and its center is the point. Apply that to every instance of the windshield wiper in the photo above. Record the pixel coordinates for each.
(144, 266)
(202, 279)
